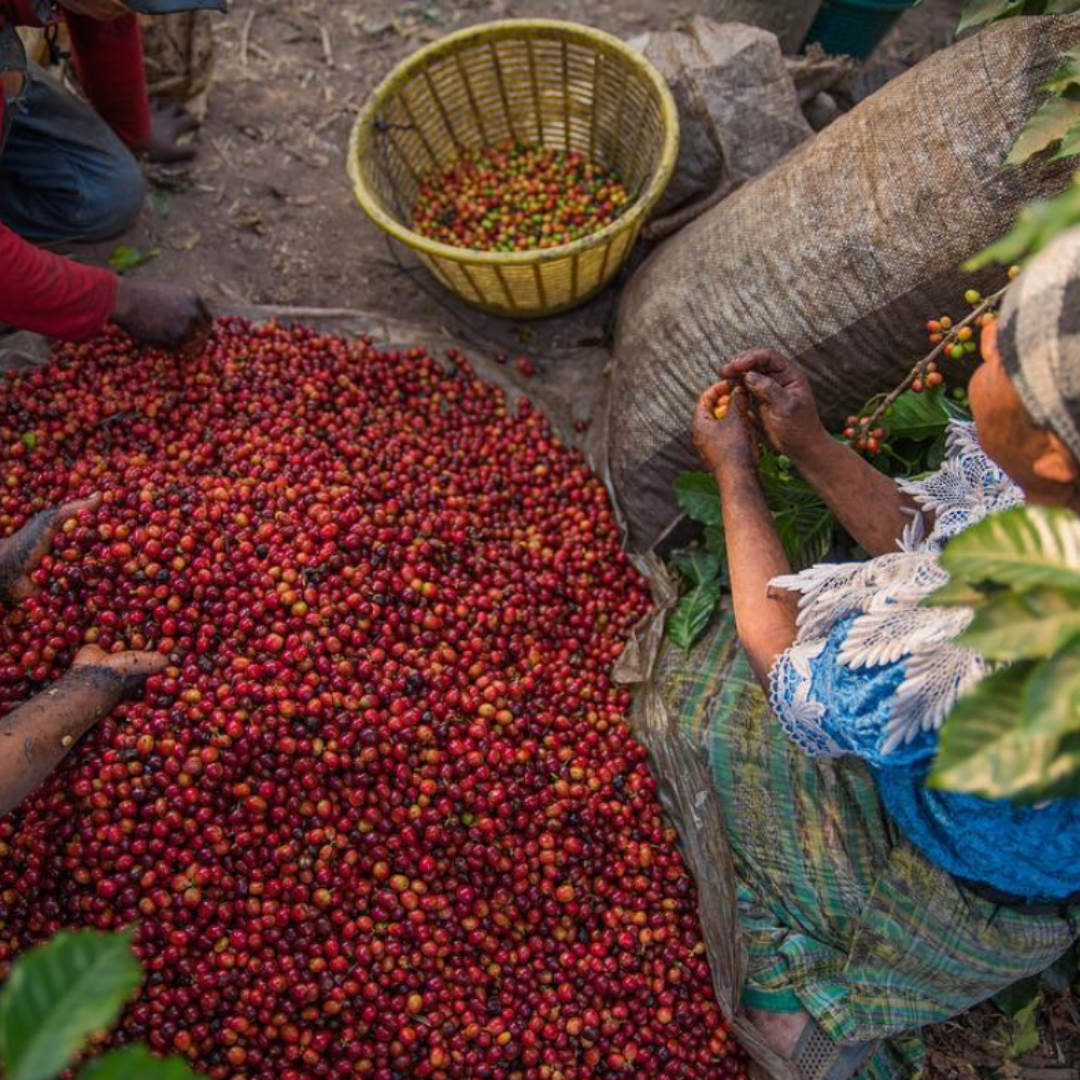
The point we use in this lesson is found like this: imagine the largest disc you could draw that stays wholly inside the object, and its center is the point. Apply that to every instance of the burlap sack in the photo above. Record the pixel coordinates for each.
(837, 256)
(789, 20)
(738, 110)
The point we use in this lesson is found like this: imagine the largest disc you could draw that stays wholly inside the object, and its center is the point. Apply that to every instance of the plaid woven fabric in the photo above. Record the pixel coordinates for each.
(1039, 338)
(840, 915)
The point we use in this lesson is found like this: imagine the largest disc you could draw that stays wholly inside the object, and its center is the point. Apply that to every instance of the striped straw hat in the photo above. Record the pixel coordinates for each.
(1039, 338)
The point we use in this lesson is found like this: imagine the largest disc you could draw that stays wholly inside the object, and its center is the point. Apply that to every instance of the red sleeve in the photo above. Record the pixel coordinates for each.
(22, 12)
(49, 294)
(109, 63)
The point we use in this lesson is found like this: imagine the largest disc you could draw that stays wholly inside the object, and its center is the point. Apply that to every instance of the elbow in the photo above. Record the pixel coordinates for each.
(763, 651)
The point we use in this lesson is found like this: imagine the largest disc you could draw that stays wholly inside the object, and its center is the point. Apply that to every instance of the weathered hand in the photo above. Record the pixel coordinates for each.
(122, 671)
(782, 398)
(21, 553)
(169, 123)
(155, 313)
(729, 443)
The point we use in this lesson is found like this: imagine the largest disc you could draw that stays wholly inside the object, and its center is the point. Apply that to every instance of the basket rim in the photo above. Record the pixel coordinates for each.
(510, 28)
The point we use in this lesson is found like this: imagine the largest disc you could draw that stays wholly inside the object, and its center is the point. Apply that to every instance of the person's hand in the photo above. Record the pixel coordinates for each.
(782, 399)
(169, 123)
(155, 313)
(729, 443)
(117, 673)
(102, 10)
(21, 553)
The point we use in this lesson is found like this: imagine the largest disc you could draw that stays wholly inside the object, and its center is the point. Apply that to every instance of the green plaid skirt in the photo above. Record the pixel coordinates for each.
(840, 916)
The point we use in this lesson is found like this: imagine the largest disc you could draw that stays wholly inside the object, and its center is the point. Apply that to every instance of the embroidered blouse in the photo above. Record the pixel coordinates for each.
(874, 674)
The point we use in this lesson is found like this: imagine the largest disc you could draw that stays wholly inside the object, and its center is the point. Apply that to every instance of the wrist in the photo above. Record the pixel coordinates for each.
(121, 300)
(736, 472)
(808, 452)
(102, 686)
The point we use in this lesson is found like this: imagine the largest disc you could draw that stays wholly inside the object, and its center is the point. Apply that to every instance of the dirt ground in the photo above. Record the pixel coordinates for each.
(266, 217)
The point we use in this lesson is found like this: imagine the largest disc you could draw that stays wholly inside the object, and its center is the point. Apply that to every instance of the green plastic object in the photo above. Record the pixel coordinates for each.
(171, 7)
(854, 27)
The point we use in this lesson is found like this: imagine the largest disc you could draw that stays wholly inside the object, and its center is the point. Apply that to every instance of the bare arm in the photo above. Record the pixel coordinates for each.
(21, 552)
(868, 504)
(766, 623)
(35, 737)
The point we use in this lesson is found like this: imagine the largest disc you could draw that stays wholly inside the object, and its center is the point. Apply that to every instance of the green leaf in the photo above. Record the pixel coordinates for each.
(1035, 227)
(805, 525)
(1070, 144)
(982, 749)
(1067, 74)
(692, 614)
(136, 1063)
(955, 409)
(999, 741)
(1051, 122)
(714, 540)
(159, 200)
(698, 566)
(57, 995)
(1061, 974)
(981, 12)
(918, 416)
(126, 258)
(1026, 1035)
(1061, 7)
(1027, 548)
(958, 594)
(1024, 626)
(1014, 999)
(697, 494)
(806, 532)
(1052, 697)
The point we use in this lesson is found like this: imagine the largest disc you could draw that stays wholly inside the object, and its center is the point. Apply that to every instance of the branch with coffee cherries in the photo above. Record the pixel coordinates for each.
(867, 431)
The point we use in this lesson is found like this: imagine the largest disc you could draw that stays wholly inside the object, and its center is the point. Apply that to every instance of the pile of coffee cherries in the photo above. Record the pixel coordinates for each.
(516, 197)
(382, 815)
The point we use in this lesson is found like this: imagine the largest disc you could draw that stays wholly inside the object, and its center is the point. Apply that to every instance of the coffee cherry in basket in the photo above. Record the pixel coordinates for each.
(516, 197)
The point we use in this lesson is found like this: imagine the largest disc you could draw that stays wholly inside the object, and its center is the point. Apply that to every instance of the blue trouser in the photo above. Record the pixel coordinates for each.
(64, 174)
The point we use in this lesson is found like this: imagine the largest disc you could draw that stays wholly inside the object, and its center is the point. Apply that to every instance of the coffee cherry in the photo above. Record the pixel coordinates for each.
(516, 197)
(382, 816)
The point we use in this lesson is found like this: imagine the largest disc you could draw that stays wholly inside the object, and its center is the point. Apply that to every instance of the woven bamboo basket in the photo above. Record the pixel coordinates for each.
(554, 84)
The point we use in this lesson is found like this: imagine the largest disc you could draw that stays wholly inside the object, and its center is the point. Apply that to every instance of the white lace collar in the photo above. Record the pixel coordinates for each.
(884, 594)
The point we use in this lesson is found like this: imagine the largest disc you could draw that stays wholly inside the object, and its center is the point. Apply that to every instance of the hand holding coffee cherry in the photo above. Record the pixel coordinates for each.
(782, 399)
(722, 429)
(21, 553)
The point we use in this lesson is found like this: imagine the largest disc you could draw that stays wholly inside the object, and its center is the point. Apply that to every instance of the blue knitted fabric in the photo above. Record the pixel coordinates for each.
(1027, 852)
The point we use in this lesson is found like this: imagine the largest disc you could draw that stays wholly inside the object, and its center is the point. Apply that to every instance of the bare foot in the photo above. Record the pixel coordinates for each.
(780, 1031)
